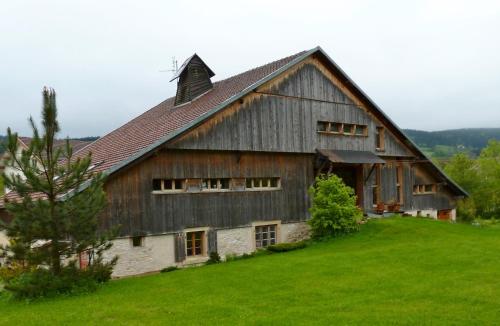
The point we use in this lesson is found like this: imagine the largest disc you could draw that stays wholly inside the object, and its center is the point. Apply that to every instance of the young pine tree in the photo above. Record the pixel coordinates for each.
(55, 216)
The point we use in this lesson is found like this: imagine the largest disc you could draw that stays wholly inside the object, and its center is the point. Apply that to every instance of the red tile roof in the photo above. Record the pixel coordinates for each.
(163, 119)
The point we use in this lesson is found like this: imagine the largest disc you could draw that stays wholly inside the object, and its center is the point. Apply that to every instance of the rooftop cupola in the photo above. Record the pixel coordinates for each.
(193, 79)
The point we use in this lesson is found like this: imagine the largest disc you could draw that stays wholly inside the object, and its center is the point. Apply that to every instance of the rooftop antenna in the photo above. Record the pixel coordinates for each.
(174, 67)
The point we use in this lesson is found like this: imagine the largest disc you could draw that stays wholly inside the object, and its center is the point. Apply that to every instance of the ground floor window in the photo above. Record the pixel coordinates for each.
(265, 235)
(137, 241)
(195, 243)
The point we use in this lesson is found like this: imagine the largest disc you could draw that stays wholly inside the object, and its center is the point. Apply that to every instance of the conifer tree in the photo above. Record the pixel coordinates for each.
(56, 215)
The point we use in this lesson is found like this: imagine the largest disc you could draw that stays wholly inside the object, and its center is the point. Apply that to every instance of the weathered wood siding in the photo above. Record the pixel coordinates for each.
(388, 189)
(133, 205)
(442, 199)
(285, 120)
(412, 174)
(193, 82)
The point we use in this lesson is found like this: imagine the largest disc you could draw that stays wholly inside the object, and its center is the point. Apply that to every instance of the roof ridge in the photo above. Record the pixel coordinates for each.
(261, 66)
(218, 82)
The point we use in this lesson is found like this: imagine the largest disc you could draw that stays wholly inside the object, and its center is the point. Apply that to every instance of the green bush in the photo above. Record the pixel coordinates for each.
(169, 269)
(258, 252)
(9, 272)
(466, 210)
(214, 258)
(41, 282)
(333, 211)
(283, 247)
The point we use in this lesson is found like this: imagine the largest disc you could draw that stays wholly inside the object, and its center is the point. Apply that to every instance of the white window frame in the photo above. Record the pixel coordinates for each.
(218, 185)
(264, 223)
(260, 186)
(204, 255)
(163, 190)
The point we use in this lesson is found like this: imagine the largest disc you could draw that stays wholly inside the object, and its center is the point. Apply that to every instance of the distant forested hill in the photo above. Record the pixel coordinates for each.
(445, 143)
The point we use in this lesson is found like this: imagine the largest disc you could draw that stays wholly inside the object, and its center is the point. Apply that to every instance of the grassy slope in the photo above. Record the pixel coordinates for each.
(393, 271)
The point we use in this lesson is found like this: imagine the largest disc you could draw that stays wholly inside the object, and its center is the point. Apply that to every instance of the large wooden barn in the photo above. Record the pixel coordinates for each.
(225, 166)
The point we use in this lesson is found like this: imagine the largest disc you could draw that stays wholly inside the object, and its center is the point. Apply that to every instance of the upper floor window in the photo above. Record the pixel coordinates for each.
(262, 183)
(380, 139)
(423, 189)
(195, 185)
(169, 185)
(340, 128)
(215, 184)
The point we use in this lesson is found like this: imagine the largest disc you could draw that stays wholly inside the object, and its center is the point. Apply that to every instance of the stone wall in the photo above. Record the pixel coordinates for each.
(235, 241)
(156, 253)
(293, 232)
(431, 213)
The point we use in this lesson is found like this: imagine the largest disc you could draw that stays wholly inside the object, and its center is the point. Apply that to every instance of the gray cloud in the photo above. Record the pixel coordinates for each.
(430, 64)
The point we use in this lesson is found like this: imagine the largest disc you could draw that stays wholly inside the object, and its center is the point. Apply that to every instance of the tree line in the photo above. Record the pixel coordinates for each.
(471, 140)
(480, 177)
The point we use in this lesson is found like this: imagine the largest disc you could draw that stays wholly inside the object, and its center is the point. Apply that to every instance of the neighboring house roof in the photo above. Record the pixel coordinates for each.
(165, 121)
(76, 144)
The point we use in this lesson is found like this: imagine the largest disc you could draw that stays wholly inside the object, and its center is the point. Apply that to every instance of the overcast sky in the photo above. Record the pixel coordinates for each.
(430, 65)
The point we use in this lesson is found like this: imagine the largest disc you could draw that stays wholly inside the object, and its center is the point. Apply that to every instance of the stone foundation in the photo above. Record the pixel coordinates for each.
(431, 213)
(293, 232)
(235, 241)
(156, 253)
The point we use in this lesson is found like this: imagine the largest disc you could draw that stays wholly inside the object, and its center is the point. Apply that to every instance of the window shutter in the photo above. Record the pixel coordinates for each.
(180, 247)
(212, 241)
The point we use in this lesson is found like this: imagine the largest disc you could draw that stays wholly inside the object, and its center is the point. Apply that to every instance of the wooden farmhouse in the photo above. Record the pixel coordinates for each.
(225, 166)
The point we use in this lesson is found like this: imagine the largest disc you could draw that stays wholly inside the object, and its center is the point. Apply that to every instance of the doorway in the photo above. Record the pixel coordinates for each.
(352, 175)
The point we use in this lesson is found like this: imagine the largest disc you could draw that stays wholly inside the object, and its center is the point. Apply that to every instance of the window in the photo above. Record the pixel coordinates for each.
(137, 241)
(215, 184)
(169, 185)
(361, 130)
(376, 187)
(262, 183)
(156, 184)
(265, 235)
(195, 243)
(379, 139)
(347, 129)
(335, 127)
(323, 126)
(424, 189)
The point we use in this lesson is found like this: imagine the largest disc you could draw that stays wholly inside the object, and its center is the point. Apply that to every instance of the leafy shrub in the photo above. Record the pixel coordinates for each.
(258, 252)
(214, 258)
(8, 272)
(41, 282)
(283, 247)
(333, 211)
(99, 271)
(169, 269)
(466, 210)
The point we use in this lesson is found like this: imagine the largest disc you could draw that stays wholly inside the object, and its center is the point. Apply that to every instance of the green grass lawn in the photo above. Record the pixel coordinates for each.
(395, 271)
